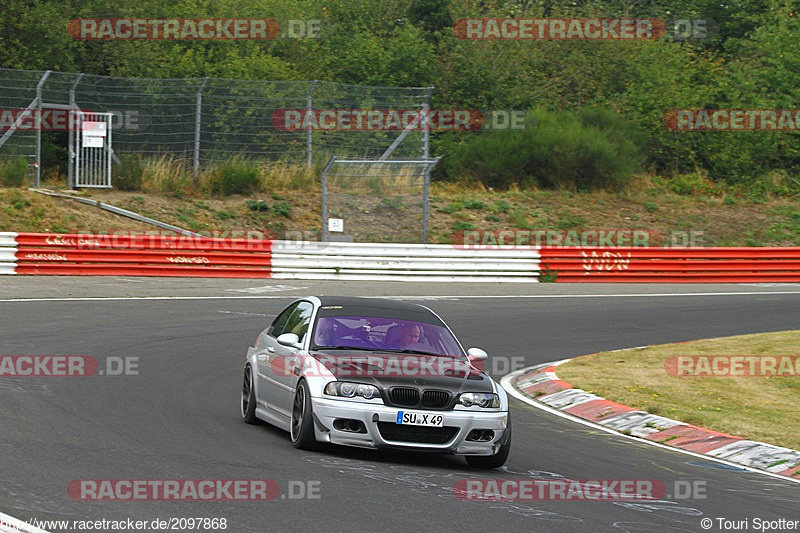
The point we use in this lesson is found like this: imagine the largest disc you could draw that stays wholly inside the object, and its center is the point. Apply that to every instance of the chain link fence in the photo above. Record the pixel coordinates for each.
(207, 120)
(376, 201)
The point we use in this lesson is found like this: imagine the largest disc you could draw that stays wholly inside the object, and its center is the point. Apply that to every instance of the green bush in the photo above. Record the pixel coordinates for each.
(14, 173)
(257, 205)
(128, 173)
(282, 209)
(235, 176)
(689, 184)
(500, 206)
(474, 204)
(589, 149)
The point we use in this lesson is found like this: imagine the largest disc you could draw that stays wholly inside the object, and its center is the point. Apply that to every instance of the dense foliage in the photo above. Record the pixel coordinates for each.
(750, 62)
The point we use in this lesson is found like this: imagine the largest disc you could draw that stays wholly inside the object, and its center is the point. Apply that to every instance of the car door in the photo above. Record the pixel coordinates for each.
(267, 346)
(277, 365)
(288, 359)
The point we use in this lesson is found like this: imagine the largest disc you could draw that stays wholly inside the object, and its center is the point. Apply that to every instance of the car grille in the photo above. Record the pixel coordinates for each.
(435, 398)
(404, 396)
(416, 434)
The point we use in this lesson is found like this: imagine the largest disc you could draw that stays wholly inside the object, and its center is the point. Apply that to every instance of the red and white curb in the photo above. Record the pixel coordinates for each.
(541, 387)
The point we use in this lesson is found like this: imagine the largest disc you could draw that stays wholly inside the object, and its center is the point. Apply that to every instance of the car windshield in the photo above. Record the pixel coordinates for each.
(384, 334)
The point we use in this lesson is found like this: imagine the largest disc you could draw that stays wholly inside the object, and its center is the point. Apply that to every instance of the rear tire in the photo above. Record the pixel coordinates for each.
(247, 404)
(302, 423)
(492, 461)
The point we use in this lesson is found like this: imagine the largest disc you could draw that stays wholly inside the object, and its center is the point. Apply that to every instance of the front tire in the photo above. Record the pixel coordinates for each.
(247, 405)
(492, 461)
(302, 423)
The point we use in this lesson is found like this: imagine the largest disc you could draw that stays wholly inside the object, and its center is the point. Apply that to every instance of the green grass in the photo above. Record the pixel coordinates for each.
(283, 209)
(475, 204)
(225, 214)
(638, 378)
(451, 208)
(257, 205)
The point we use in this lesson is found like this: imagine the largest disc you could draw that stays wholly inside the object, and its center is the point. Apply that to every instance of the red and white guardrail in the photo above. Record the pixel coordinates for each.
(671, 265)
(187, 255)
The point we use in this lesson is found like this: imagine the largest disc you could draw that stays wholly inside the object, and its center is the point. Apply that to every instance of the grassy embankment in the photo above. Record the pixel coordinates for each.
(763, 408)
(283, 197)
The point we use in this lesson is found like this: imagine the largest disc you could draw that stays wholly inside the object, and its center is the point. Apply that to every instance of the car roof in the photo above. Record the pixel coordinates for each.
(382, 303)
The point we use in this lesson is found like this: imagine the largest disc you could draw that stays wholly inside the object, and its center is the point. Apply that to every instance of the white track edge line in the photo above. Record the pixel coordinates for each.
(507, 384)
(410, 297)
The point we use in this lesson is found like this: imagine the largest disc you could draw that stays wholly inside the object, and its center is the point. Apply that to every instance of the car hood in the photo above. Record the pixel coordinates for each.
(384, 370)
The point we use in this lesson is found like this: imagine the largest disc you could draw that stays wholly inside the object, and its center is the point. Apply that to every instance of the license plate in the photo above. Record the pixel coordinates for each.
(412, 418)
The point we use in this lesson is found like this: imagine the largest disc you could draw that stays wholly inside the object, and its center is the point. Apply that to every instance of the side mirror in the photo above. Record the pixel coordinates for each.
(476, 354)
(289, 339)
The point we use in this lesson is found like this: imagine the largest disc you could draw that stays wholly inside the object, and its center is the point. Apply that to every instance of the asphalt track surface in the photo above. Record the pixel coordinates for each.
(178, 419)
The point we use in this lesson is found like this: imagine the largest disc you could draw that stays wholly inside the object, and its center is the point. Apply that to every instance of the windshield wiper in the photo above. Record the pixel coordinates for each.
(341, 348)
(420, 352)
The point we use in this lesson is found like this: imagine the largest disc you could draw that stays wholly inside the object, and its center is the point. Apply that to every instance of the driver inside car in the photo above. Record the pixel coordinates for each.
(400, 336)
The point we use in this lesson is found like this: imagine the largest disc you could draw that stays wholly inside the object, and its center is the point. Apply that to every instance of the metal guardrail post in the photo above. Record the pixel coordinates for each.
(71, 149)
(426, 135)
(324, 235)
(309, 138)
(197, 108)
(38, 163)
(426, 193)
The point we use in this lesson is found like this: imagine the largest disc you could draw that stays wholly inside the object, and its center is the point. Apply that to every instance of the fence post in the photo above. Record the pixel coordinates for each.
(426, 193)
(38, 123)
(426, 107)
(324, 235)
(197, 107)
(309, 138)
(71, 149)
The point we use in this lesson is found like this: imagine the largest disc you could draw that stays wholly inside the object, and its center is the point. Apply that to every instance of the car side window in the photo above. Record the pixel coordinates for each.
(299, 320)
(278, 324)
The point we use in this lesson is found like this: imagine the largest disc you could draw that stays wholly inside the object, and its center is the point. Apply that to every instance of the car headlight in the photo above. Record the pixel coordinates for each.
(345, 389)
(481, 399)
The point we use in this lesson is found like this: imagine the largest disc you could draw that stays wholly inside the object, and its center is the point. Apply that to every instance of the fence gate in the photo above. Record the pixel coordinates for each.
(92, 149)
(369, 200)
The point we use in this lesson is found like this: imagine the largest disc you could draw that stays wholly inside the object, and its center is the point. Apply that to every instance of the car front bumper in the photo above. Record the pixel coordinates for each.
(326, 411)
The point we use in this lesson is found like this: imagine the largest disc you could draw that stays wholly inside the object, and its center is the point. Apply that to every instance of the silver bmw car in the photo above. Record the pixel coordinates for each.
(375, 373)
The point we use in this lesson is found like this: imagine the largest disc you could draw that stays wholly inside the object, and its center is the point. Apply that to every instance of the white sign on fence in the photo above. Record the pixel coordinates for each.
(336, 224)
(92, 142)
(94, 129)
